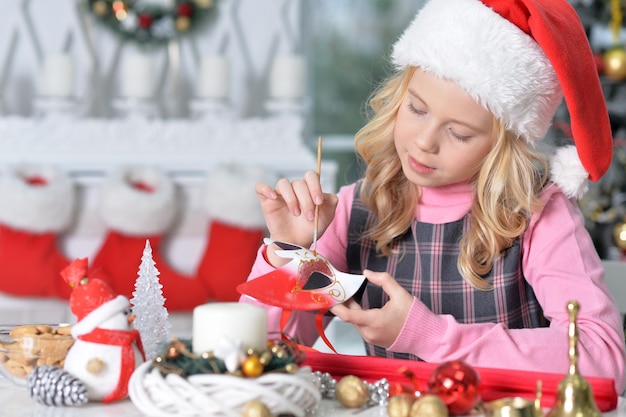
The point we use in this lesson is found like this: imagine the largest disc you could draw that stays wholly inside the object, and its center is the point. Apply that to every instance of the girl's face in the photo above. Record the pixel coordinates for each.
(441, 134)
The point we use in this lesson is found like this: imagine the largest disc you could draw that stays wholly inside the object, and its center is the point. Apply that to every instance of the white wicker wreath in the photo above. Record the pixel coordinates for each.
(221, 394)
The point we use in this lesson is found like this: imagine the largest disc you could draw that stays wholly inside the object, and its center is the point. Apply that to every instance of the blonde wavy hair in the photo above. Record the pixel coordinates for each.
(506, 187)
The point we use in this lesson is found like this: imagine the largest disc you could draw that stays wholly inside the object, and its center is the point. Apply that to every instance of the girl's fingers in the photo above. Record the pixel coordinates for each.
(285, 189)
(307, 207)
(265, 191)
(383, 280)
(315, 187)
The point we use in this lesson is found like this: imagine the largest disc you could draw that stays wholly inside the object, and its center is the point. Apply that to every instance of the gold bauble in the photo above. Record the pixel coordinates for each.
(619, 235)
(255, 408)
(99, 7)
(204, 4)
(429, 405)
(400, 405)
(615, 63)
(351, 392)
(182, 23)
(252, 366)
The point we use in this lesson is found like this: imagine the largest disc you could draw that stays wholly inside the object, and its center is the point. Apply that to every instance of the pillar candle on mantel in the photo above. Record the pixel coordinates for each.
(137, 78)
(235, 322)
(214, 77)
(287, 77)
(57, 76)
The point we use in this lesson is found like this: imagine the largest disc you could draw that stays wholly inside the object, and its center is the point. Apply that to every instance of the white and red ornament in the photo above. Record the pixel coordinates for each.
(107, 350)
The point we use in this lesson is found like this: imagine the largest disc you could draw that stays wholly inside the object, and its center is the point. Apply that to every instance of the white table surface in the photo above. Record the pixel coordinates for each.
(15, 402)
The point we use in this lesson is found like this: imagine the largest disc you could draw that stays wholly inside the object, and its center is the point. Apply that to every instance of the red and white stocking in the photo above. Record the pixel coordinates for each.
(139, 204)
(37, 205)
(236, 229)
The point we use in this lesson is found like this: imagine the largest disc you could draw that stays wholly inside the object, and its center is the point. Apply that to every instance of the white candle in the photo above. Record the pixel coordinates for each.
(234, 322)
(57, 77)
(137, 78)
(287, 77)
(214, 77)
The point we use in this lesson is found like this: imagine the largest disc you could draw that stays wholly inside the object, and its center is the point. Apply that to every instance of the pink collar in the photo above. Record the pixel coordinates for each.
(445, 204)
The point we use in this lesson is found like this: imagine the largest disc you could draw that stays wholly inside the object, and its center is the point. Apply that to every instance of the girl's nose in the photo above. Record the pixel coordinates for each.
(427, 139)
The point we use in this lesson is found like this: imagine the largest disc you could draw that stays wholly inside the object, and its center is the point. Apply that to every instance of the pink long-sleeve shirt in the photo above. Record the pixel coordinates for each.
(559, 262)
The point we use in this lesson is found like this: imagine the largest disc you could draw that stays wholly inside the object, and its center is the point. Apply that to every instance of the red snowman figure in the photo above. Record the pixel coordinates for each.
(106, 350)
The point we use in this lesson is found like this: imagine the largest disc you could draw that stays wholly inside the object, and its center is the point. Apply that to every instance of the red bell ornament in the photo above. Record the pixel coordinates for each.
(456, 383)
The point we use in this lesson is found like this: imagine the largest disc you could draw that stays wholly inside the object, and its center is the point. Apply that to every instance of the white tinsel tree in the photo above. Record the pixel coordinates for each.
(149, 306)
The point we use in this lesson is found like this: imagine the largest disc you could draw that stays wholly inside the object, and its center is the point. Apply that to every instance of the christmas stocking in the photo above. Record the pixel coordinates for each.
(236, 228)
(138, 205)
(37, 204)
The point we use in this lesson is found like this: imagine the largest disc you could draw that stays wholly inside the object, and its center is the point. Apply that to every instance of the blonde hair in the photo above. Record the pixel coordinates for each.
(506, 187)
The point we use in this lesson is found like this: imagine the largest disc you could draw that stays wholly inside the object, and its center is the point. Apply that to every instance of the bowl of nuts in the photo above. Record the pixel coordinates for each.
(25, 347)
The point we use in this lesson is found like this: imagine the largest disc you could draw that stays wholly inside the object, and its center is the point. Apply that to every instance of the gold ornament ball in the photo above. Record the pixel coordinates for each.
(99, 8)
(429, 405)
(351, 392)
(204, 4)
(400, 405)
(182, 23)
(255, 408)
(615, 63)
(252, 366)
(619, 235)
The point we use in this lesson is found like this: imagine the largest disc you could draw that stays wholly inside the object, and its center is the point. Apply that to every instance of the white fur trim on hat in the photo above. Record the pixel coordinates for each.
(100, 315)
(489, 57)
(37, 208)
(229, 194)
(136, 212)
(568, 173)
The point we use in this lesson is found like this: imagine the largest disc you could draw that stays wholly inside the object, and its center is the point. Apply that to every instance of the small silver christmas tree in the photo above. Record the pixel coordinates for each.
(149, 306)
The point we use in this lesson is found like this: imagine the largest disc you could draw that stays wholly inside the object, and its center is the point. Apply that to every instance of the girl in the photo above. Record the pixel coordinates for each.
(471, 245)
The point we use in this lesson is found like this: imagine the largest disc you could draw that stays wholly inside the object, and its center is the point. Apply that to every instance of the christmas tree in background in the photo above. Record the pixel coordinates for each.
(604, 205)
(149, 306)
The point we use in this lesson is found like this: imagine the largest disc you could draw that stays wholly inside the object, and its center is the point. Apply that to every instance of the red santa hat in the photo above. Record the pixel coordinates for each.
(92, 300)
(519, 58)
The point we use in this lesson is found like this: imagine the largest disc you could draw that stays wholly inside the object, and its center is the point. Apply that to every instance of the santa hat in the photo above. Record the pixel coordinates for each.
(519, 58)
(92, 300)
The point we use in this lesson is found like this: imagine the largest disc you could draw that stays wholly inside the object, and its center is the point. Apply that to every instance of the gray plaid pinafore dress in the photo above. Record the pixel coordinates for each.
(425, 264)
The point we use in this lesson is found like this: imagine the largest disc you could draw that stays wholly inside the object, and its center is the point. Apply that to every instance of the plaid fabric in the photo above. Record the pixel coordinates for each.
(425, 264)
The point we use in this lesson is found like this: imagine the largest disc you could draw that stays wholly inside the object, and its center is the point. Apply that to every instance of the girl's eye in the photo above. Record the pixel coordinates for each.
(412, 109)
(459, 137)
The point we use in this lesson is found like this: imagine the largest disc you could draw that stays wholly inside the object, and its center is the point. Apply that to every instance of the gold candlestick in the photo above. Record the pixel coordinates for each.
(574, 396)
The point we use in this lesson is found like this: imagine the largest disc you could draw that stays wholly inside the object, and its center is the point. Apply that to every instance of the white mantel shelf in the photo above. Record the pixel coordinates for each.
(181, 147)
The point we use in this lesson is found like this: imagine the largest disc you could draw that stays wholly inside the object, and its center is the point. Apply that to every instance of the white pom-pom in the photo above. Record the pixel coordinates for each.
(37, 199)
(127, 207)
(229, 194)
(568, 173)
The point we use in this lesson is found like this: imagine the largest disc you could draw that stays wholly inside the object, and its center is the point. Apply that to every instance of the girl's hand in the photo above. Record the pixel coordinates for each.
(289, 210)
(378, 326)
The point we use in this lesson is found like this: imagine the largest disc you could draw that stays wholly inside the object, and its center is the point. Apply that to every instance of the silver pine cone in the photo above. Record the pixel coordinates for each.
(51, 385)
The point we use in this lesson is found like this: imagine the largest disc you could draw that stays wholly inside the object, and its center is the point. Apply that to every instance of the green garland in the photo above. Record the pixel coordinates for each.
(177, 357)
(150, 24)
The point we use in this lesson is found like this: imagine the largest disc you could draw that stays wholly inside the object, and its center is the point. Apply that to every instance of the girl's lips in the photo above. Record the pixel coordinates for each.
(419, 168)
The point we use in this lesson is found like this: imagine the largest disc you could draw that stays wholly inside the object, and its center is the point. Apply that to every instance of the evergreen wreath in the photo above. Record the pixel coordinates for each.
(147, 23)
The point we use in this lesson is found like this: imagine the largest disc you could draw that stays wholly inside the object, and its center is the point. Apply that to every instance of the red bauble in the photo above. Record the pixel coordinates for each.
(456, 383)
(145, 20)
(184, 9)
